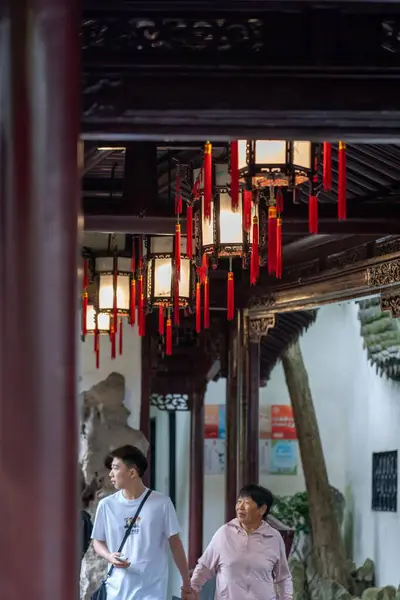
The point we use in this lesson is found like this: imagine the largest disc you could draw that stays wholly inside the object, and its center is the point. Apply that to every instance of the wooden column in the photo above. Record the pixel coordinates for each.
(232, 429)
(39, 198)
(196, 477)
(250, 407)
(145, 396)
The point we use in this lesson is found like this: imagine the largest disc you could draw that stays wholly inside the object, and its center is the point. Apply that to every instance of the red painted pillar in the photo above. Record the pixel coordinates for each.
(250, 409)
(196, 478)
(39, 198)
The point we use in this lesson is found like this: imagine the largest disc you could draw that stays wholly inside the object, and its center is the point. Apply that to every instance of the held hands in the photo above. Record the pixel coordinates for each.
(187, 593)
(118, 561)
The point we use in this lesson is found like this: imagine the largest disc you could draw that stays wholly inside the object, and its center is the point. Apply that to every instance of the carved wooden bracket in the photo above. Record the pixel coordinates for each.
(391, 303)
(386, 273)
(259, 326)
(354, 281)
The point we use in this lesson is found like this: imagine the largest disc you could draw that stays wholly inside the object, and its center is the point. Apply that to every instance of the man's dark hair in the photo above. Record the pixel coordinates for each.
(260, 495)
(131, 456)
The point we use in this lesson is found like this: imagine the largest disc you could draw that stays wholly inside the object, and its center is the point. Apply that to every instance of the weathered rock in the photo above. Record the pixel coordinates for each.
(363, 578)
(103, 428)
(386, 593)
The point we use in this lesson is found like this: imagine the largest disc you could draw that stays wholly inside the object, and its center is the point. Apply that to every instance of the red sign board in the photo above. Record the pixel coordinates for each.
(282, 422)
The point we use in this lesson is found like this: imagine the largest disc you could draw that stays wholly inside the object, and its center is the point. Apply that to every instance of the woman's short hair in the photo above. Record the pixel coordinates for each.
(260, 495)
(131, 456)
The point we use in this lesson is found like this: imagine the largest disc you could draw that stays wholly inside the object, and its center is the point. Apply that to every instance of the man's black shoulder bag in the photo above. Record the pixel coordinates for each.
(101, 592)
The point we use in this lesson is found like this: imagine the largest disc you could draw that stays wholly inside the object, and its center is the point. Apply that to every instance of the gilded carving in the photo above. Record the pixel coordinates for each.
(259, 326)
(391, 303)
(386, 273)
(262, 302)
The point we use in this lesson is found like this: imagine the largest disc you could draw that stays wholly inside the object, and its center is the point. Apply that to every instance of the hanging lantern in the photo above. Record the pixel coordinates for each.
(166, 290)
(278, 163)
(97, 324)
(96, 320)
(113, 284)
(224, 235)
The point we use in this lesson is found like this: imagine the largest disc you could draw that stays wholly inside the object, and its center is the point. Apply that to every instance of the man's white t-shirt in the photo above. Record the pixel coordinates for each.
(146, 548)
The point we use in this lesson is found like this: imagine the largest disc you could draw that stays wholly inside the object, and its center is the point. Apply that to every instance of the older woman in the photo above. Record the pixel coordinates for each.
(246, 555)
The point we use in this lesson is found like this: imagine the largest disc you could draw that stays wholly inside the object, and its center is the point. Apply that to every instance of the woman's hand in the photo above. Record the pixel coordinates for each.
(117, 561)
(187, 593)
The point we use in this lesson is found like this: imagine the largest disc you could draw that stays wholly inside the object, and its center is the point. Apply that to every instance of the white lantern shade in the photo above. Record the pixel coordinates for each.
(103, 320)
(104, 268)
(302, 155)
(207, 227)
(106, 292)
(162, 277)
(242, 153)
(230, 222)
(270, 152)
(184, 283)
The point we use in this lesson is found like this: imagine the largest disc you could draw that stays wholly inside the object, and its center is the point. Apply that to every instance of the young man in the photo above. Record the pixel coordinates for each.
(141, 570)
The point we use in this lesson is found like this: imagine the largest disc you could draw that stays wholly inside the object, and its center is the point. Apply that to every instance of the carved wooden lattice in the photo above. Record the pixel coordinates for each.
(170, 401)
(384, 481)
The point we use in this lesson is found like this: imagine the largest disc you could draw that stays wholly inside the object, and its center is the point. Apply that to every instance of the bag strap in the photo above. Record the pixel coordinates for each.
(128, 531)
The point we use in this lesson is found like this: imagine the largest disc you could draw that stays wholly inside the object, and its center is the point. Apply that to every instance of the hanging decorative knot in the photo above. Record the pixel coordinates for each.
(247, 204)
(272, 243)
(198, 307)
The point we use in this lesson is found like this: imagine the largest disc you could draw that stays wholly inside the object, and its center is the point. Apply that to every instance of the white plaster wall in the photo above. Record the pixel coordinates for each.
(358, 413)
(129, 365)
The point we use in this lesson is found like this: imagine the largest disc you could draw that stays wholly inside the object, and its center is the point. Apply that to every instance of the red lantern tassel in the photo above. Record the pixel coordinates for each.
(132, 317)
(235, 175)
(198, 308)
(342, 200)
(279, 248)
(113, 339)
(161, 322)
(132, 311)
(206, 303)
(272, 240)
(168, 338)
(279, 201)
(178, 251)
(143, 318)
(189, 231)
(247, 198)
(141, 306)
(207, 180)
(203, 269)
(327, 166)
(115, 286)
(176, 303)
(85, 301)
(120, 336)
(231, 296)
(255, 258)
(313, 214)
